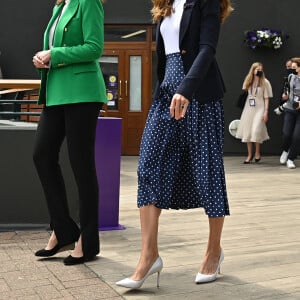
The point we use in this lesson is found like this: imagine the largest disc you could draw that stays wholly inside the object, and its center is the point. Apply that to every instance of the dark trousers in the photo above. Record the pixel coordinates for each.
(291, 133)
(77, 123)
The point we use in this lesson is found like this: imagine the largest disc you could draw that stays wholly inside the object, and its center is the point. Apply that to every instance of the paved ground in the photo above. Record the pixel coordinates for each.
(261, 242)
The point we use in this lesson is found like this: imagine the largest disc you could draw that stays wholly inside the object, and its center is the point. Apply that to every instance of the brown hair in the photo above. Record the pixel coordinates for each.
(296, 60)
(250, 76)
(163, 8)
(61, 1)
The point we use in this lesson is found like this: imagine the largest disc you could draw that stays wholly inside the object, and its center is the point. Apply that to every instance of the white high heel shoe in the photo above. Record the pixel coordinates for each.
(135, 284)
(203, 278)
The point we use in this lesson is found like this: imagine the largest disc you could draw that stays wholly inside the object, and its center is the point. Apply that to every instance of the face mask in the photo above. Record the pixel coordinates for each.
(290, 71)
(259, 73)
(294, 72)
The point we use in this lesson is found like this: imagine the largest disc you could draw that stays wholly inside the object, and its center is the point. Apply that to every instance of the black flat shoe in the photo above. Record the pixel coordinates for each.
(70, 260)
(58, 248)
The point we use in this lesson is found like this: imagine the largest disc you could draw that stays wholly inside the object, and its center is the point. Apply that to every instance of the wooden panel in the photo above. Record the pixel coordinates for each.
(20, 83)
(135, 121)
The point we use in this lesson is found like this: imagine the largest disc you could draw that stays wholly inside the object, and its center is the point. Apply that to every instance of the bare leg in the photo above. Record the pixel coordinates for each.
(77, 252)
(52, 241)
(257, 150)
(149, 216)
(249, 148)
(213, 251)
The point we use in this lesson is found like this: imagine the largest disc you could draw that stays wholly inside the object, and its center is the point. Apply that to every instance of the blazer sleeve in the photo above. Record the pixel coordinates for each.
(208, 40)
(93, 37)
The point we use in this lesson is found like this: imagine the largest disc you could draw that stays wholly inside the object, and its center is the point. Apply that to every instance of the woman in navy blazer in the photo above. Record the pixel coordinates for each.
(181, 157)
(197, 44)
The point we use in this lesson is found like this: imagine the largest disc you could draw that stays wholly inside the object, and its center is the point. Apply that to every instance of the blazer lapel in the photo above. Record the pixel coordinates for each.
(56, 12)
(184, 23)
(185, 19)
(65, 18)
(159, 39)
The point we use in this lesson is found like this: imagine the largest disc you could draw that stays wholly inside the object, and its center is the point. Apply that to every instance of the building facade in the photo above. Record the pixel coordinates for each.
(128, 62)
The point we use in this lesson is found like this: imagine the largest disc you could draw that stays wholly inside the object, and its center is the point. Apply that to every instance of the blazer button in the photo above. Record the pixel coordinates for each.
(65, 45)
(66, 29)
(183, 51)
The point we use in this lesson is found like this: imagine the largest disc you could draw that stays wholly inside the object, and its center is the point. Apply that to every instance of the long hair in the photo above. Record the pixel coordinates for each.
(163, 8)
(250, 76)
(61, 1)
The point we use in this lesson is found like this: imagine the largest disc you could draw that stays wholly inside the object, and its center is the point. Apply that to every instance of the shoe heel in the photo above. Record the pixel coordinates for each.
(158, 277)
(136, 284)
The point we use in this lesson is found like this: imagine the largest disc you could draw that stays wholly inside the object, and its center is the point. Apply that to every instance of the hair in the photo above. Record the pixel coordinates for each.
(61, 1)
(296, 60)
(163, 8)
(250, 76)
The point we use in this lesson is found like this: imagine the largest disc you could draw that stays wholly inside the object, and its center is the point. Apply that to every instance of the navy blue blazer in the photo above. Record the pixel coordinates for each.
(198, 39)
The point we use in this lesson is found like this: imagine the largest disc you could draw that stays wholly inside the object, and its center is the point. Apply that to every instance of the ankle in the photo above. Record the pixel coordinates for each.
(143, 266)
(210, 261)
(78, 252)
(213, 252)
(51, 243)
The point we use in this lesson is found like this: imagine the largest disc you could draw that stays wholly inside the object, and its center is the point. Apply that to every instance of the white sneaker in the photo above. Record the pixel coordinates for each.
(283, 157)
(290, 164)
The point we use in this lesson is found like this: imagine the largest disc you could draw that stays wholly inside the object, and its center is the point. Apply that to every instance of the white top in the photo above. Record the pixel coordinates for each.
(53, 27)
(170, 28)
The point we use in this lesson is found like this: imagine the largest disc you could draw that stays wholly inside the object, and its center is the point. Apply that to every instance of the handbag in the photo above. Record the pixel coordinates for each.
(242, 99)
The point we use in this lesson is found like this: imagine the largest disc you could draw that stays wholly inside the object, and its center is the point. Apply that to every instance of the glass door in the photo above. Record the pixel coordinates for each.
(127, 75)
(110, 65)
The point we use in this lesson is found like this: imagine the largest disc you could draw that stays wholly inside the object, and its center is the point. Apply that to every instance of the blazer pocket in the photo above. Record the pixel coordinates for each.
(84, 68)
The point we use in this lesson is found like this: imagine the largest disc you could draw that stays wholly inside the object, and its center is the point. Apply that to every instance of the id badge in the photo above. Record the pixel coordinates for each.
(252, 102)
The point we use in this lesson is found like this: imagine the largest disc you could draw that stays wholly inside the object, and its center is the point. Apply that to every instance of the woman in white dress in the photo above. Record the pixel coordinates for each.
(252, 127)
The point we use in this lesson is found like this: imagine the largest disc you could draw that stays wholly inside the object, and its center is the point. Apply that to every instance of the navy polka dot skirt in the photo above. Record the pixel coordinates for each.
(181, 162)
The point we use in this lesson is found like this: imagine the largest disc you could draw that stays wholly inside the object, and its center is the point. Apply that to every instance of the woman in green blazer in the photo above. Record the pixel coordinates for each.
(72, 91)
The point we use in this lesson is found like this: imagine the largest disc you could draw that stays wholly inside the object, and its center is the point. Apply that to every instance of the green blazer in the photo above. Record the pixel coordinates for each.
(74, 75)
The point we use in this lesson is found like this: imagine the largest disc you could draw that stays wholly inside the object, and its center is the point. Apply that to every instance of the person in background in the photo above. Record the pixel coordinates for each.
(72, 91)
(285, 86)
(181, 156)
(291, 121)
(252, 128)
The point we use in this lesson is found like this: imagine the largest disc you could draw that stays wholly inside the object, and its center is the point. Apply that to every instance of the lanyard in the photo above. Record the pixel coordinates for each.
(255, 90)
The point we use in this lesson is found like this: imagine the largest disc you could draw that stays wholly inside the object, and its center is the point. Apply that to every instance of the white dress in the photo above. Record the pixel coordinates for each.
(252, 128)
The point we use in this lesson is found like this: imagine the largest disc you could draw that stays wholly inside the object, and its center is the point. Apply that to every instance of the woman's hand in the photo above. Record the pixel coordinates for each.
(41, 59)
(285, 96)
(178, 107)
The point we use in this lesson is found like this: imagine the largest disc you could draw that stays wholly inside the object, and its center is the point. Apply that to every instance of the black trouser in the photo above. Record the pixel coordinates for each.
(291, 133)
(76, 122)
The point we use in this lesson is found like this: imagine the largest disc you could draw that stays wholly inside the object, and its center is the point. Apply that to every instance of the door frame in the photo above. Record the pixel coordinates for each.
(123, 50)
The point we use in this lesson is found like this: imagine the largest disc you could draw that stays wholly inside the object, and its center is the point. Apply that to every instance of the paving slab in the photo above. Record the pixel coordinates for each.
(261, 242)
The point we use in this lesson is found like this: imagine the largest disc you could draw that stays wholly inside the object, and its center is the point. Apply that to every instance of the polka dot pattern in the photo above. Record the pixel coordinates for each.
(181, 162)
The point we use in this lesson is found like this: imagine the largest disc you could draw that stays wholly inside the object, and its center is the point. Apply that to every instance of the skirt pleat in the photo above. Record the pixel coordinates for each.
(181, 161)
